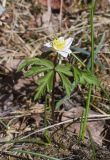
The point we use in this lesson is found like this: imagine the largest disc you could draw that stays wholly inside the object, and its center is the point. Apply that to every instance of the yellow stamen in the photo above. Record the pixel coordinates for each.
(59, 44)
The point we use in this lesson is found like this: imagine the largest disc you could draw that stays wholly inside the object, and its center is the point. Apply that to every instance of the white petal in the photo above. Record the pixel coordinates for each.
(49, 45)
(68, 42)
(61, 38)
(63, 53)
(68, 51)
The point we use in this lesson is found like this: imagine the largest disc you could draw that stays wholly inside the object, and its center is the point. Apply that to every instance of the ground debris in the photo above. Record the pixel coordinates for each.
(25, 25)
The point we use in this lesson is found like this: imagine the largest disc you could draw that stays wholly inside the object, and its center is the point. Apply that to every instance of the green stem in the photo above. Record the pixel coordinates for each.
(78, 60)
(84, 122)
(1, 121)
(92, 34)
(53, 89)
(46, 133)
(86, 113)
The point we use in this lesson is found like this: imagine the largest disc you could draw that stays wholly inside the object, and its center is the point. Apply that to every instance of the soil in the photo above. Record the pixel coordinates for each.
(25, 26)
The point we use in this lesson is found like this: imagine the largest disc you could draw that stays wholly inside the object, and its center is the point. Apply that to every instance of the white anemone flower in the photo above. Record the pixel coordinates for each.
(61, 46)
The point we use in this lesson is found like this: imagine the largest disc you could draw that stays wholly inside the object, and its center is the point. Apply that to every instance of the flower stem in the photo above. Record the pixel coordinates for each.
(53, 89)
(84, 122)
(85, 114)
(92, 34)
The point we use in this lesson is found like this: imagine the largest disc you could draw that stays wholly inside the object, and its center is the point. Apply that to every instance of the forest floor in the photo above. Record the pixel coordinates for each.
(25, 26)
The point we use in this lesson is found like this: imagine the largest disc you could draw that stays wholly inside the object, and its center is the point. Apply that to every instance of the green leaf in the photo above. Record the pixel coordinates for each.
(46, 63)
(35, 70)
(84, 77)
(97, 61)
(90, 78)
(100, 45)
(27, 62)
(46, 82)
(50, 82)
(35, 61)
(80, 50)
(65, 69)
(77, 74)
(61, 101)
(40, 91)
(66, 83)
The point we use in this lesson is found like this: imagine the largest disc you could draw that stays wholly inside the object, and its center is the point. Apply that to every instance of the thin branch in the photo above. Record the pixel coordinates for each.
(102, 117)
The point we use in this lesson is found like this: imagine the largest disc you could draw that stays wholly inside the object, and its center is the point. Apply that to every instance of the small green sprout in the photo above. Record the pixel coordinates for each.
(51, 67)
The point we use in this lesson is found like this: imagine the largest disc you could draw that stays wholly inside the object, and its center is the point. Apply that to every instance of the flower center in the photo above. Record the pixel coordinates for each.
(59, 44)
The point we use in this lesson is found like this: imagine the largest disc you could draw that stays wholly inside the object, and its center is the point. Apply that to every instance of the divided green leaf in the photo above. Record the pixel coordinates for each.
(100, 45)
(97, 50)
(66, 83)
(27, 62)
(37, 62)
(35, 70)
(65, 69)
(84, 77)
(44, 83)
(46, 63)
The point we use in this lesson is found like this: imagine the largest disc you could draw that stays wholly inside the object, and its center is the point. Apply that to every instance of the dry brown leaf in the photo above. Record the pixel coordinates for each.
(104, 4)
(35, 113)
(37, 118)
(56, 4)
(50, 23)
(75, 112)
(95, 128)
